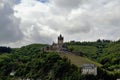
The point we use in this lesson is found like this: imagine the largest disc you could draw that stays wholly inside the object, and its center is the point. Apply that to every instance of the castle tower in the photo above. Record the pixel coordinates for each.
(60, 41)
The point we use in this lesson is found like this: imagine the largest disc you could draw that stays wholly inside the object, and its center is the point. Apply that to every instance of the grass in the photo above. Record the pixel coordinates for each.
(88, 50)
(78, 60)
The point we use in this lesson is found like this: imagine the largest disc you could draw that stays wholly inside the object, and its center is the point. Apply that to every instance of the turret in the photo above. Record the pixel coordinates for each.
(60, 40)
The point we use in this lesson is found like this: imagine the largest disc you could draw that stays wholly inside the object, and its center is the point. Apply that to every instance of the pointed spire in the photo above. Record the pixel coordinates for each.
(60, 37)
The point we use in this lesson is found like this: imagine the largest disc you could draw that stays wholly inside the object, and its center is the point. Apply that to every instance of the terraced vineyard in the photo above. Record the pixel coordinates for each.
(78, 60)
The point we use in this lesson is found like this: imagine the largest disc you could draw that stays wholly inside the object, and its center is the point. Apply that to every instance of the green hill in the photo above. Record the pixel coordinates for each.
(78, 60)
(105, 52)
(31, 62)
(111, 56)
(85, 49)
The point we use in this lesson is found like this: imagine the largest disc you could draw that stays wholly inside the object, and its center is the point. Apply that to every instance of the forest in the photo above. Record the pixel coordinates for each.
(105, 52)
(31, 62)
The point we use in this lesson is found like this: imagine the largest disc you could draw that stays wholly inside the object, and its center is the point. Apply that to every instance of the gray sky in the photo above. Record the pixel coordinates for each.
(24, 22)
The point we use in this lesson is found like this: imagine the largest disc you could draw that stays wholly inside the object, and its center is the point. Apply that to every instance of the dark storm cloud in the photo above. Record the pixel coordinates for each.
(9, 24)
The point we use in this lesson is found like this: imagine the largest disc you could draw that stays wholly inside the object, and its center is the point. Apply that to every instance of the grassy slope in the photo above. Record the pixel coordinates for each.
(87, 50)
(110, 57)
(78, 60)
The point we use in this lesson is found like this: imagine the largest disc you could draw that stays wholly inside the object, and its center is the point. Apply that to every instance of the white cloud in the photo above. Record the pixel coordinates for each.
(75, 19)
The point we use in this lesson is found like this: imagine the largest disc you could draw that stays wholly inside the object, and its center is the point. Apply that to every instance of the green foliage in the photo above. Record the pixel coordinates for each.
(111, 57)
(86, 50)
(31, 62)
(105, 52)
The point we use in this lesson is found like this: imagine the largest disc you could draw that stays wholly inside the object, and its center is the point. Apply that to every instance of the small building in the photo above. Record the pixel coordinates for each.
(12, 73)
(89, 69)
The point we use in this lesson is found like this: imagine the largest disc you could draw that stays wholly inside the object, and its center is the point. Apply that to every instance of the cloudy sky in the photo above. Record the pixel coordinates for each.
(24, 22)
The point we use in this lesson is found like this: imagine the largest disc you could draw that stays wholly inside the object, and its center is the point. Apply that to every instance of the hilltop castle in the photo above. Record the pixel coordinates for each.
(59, 46)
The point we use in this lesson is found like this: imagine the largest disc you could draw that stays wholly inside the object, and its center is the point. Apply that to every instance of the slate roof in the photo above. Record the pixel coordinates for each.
(88, 66)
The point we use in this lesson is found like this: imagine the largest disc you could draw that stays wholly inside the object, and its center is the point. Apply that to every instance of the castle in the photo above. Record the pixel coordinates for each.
(59, 46)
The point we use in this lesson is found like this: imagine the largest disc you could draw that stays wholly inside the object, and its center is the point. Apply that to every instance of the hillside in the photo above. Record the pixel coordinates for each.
(85, 49)
(30, 62)
(33, 63)
(78, 60)
(111, 56)
(105, 52)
